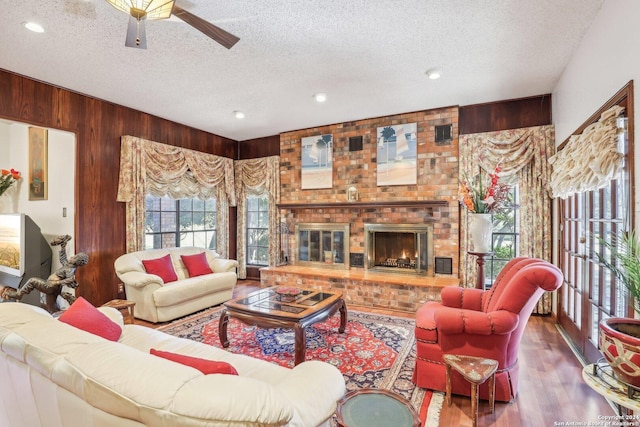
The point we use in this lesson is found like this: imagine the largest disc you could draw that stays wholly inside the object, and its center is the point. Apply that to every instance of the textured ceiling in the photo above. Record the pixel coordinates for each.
(369, 56)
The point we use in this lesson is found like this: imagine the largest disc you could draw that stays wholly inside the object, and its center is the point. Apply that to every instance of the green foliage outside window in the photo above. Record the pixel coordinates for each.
(184, 222)
(506, 234)
(257, 230)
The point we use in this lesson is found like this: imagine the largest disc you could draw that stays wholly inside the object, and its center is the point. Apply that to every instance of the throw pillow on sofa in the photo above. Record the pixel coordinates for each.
(203, 365)
(162, 267)
(197, 265)
(82, 315)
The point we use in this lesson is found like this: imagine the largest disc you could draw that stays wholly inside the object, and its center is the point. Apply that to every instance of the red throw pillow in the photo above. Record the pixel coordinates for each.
(203, 365)
(197, 264)
(161, 267)
(83, 315)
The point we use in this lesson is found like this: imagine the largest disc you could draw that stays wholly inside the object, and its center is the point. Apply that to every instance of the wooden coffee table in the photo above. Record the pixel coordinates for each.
(266, 309)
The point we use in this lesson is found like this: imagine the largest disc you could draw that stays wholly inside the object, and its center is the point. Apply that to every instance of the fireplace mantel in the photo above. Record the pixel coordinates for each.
(386, 204)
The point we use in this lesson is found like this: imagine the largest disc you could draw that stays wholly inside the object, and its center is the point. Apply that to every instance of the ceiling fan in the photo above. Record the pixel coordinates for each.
(142, 10)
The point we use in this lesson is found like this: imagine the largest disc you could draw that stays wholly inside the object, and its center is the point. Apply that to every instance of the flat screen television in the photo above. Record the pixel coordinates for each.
(12, 244)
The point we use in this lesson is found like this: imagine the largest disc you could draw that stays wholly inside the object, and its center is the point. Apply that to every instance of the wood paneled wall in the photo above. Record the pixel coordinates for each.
(502, 115)
(259, 147)
(98, 126)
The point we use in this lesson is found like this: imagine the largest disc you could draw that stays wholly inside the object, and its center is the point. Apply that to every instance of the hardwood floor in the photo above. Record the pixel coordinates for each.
(551, 387)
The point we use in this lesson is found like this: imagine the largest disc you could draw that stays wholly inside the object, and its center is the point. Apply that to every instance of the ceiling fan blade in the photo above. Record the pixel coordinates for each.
(216, 33)
(136, 35)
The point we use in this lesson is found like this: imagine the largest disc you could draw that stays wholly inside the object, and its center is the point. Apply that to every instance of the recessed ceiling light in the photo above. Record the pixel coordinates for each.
(32, 26)
(320, 97)
(433, 74)
(238, 114)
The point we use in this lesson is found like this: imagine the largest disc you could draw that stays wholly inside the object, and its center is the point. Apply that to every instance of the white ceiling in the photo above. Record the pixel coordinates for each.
(369, 56)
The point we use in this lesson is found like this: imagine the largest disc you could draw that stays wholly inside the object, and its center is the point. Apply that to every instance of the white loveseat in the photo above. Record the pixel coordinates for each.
(53, 375)
(157, 301)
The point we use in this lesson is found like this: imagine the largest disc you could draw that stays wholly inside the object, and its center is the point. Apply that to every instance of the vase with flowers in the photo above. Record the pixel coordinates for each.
(483, 195)
(7, 178)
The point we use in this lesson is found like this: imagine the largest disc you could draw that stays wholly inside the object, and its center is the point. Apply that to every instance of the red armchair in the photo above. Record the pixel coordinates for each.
(481, 323)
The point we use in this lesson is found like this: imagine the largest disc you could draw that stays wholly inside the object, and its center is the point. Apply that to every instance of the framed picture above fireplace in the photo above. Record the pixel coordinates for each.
(397, 155)
(317, 162)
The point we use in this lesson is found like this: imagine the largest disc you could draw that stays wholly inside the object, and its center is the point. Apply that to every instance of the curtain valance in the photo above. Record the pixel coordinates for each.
(513, 149)
(589, 160)
(173, 171)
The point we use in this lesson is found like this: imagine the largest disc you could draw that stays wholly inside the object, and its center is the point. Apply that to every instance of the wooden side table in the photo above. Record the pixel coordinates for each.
(370, 407)
(476, 370)
(122, 305)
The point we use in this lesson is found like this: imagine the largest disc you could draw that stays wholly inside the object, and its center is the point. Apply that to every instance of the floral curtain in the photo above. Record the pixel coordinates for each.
(257, 176)
(523, 155)
(590, 160)
(148, 167)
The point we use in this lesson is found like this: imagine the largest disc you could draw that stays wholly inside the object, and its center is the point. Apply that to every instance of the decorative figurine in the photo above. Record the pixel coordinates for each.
(352, 194)
(52, 287)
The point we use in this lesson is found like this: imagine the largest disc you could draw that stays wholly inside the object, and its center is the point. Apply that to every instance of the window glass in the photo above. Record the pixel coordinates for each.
(184, 222)
(505, 239)
(257, 230)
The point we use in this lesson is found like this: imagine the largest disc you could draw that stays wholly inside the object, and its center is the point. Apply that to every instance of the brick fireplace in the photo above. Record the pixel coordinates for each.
(399, 248)
(431, 203)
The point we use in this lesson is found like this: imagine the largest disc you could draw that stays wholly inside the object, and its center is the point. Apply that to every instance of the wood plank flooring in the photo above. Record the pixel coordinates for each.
(551, 388)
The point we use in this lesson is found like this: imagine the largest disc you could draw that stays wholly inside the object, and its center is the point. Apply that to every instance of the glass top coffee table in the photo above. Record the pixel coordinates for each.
(267, 309)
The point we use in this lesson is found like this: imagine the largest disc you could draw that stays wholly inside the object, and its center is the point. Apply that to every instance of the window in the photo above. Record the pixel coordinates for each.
(184, 222)
(258, 230)
(505, 240)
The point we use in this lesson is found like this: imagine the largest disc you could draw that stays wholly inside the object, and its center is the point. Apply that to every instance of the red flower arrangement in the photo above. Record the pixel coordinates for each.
(485, 193)
(7, 178)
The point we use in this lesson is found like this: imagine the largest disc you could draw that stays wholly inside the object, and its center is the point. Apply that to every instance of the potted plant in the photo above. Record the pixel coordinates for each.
(620, 336)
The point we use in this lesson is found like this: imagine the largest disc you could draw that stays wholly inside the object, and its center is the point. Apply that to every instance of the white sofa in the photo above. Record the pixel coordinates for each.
(160, 302)
(53, 375)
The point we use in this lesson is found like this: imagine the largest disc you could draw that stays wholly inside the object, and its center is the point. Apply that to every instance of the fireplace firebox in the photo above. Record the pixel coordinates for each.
(399, 248)
(323, 245)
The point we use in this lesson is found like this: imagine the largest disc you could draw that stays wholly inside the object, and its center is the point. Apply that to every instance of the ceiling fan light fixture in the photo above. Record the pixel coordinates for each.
(320, 97)
(140, 9)
(238, 114)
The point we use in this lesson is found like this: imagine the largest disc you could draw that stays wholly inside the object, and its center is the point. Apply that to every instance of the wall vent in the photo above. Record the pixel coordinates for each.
(356, 259)
(444, 265)
(443, 134)
(355, 143)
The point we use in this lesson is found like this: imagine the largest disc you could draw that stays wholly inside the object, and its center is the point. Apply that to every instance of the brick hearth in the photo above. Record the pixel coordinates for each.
(401, 292)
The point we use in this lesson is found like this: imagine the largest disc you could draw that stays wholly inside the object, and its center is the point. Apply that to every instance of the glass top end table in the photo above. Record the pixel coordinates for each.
(369, 407)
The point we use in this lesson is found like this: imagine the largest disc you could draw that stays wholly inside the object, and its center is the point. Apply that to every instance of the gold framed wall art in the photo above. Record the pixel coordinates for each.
(38, 164)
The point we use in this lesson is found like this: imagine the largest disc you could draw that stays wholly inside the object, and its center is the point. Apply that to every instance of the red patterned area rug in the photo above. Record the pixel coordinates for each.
(375, 351)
